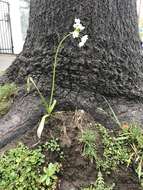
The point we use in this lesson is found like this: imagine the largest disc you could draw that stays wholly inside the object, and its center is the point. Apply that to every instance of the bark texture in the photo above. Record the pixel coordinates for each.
(110, 63)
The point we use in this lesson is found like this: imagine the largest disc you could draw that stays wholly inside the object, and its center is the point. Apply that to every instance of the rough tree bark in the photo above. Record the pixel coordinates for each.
(110, 64)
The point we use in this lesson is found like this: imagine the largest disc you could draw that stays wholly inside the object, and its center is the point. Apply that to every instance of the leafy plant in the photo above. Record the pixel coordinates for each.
(128, 144)
(114, 152)
(50, 105)
(88, 138)
(99, 184)
(108, 154)
(54, 146)
(124, 148)
(49, 177)
(132, 135)
(7, 93)
(19, 169)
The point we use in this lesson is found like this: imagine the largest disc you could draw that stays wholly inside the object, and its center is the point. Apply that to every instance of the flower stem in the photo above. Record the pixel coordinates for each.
(54, 67)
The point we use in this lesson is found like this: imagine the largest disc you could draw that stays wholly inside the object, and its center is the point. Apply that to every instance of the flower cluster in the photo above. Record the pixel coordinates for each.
(78, 27)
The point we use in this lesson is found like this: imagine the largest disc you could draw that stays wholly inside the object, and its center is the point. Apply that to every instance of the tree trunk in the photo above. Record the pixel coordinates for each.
(109, 64)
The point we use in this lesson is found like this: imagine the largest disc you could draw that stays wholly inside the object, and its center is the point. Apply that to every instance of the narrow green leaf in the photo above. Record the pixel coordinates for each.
(139, 169)
(28, 84)
(51, 107)
(43, 178)
(44, 102)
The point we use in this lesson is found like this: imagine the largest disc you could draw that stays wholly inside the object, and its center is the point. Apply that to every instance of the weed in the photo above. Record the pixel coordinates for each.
(53, 146)
(108, 154)
(49, 177)
(124, 148)
(133, 137)
(114, 152)
(99, 184)
(7, 91)
(88, 139)
(19, 169)
(6, 96)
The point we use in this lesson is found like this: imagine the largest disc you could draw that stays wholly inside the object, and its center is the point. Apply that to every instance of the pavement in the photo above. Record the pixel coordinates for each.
(5, 61)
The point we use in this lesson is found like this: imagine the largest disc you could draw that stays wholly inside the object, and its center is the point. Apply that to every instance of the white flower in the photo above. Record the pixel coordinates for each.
(78, 25)
(81, 44)
(83, 40)
(78, 28)
(77, 20)
(75, 34)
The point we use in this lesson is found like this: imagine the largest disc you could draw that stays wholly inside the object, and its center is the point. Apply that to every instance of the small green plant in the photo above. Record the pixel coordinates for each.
(114, 152)
(133, 137)
(7, 93)
(108, 154)
(125, 148)
(19, 169)
(50, 175)
(53, 146)
(88, 139)
(50, 105)
(129, 143)
(99, 184)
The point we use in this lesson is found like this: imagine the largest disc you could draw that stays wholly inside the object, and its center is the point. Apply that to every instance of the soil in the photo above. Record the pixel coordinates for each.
(77, 171)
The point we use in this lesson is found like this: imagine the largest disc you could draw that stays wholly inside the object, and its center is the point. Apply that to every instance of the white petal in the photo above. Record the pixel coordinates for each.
(75, 34)
(81, 27)
(76, 26)
(84, 38)
(81, 44)
(77, 20)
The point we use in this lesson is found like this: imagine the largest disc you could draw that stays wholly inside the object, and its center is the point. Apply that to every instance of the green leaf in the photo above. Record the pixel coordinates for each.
(52, 169)
(43, 100)
(43, 178)
(51, 107)
(48, 181)
(139, 169)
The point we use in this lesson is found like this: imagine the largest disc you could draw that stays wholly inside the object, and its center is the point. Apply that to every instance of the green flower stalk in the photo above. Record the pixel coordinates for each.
(54, 68)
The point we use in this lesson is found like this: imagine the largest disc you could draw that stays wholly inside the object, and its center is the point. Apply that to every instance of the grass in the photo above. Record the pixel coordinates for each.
(88, 139)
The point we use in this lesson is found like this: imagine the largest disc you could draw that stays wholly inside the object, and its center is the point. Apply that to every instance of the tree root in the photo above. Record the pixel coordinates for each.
(26, 111)
(23, 115)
